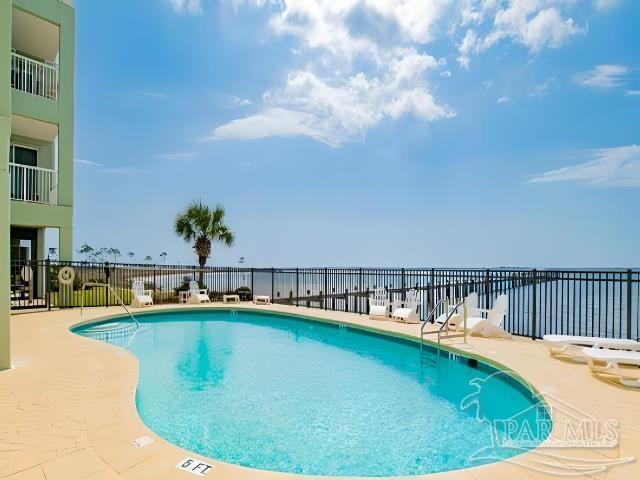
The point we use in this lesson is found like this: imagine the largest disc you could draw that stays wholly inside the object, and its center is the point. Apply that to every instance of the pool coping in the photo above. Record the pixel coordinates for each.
(119, 418)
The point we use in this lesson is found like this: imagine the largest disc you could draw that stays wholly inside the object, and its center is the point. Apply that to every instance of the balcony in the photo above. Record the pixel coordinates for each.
(33, 184)
(34, 77)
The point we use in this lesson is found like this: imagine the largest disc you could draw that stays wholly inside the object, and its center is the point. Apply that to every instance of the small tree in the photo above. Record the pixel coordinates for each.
(203, 226)
(163, 255)
(131, 255)
(115, 252)
(86, 250)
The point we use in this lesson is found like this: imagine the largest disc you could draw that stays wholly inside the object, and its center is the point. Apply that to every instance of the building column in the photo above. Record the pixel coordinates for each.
(5, 223)
(65, 244)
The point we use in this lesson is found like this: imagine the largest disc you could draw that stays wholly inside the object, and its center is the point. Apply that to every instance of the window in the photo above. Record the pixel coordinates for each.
(23, 180)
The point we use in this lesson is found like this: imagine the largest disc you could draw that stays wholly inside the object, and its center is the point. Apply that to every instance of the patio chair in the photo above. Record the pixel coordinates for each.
(379, 304)
(140, 297)
(197, 294)
(491, 325)
(407, 310)
(470, 303)
(606, 362)
(571, 346)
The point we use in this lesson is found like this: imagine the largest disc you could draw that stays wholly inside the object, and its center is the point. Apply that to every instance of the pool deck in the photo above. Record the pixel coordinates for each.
(67, 407)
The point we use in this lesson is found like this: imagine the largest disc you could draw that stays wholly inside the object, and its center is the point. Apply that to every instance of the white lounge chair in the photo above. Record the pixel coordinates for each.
(571, 346)
(603, 361)
(140, 297)
(491, 325)
(379, 304)
(407, 310)
(197, 294)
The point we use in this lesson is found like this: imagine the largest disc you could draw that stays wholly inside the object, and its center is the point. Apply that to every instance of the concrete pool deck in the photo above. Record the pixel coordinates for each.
(67, 407)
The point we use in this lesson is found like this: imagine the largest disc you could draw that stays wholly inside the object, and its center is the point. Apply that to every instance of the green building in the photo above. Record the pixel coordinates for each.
(37, 56)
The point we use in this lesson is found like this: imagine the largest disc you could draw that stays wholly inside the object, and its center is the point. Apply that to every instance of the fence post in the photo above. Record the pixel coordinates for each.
(273, 275)
(346, 299)
(325, 289)
(487, 293)
(629, 304)
(47, 283)
(297, 286)
(252, 292)
(402, 285)
(534, 308)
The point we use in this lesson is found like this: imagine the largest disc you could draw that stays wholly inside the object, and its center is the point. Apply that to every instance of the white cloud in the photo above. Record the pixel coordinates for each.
(177, 156)
(606, 167)
(502, 99)
(541, 89)
(149, 94)
(366, 61)
(364, 65)
(235, 102)
(338, 113)
(632, 93)
(603, 76)
(535, 24)
(193, 7)
(605, 4)
(81, 161)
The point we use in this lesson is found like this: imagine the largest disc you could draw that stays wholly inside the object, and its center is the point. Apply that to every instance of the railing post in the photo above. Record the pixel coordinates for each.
(273, 276)
(324, 302)
(252, 292)
(297, 286)
(534, 307)
(47, 283)
(629, 303)
(402, 285)
(487, 293)
(346, 299)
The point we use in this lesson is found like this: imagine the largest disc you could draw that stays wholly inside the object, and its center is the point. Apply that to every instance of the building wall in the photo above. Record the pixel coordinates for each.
(58, 112)
(61, 113)
(5, 133)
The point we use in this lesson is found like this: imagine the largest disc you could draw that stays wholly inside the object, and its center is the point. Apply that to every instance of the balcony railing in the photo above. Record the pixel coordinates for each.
(35, 77)
(33, 184)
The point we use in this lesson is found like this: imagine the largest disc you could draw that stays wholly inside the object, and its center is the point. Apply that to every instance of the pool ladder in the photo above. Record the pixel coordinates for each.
(115, 294)
(445, 325)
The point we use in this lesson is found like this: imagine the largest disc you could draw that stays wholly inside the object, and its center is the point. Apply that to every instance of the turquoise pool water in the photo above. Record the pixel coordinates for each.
(275, 392)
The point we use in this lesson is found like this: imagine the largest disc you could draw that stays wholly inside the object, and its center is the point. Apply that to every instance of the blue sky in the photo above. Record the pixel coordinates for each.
(369, 132)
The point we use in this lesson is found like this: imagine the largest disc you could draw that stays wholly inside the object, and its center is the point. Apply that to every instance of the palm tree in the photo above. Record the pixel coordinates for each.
(86, 250)
(203, 226)
(115, 252)
(164, 257)
(131, 255)
(148, 259)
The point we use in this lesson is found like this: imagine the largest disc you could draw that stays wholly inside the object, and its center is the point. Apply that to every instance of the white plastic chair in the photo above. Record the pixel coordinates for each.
(408, 310)
(140, 297)
(571, 346)
(607, 362)
(491, 326)
(379, 304)
(197, 294)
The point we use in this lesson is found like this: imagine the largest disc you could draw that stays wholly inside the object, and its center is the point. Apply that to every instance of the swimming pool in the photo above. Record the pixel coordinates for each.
(282, 393)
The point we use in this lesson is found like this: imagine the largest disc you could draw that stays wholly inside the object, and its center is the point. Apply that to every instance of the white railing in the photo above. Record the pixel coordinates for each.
(33, 184)
(32, 76)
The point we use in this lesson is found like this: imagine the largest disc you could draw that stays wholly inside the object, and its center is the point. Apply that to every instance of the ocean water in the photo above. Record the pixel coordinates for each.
(276, 393)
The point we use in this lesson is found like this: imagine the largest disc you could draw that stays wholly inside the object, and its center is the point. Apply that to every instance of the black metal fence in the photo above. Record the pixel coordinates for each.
(579, 302)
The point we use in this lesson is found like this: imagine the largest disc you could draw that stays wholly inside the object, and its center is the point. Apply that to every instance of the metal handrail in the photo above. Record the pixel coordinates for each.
(433, 311)
(449, 315)
(98, 284)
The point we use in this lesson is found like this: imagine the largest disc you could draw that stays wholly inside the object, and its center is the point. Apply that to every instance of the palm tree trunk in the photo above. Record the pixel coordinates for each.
(203, 261)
